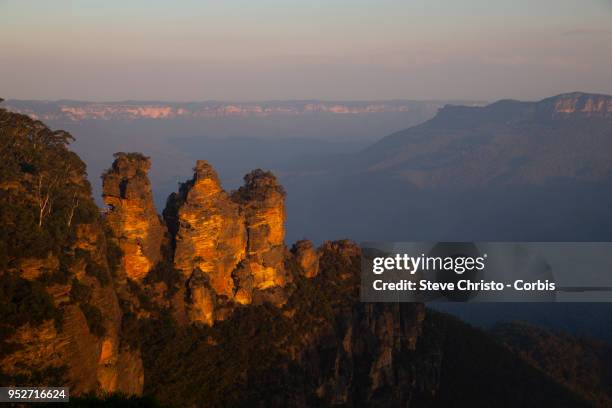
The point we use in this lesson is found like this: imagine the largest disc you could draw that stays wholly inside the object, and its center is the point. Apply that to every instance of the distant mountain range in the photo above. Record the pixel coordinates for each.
(510, 170)
(234, 136)
(81, 110)
(566, 136)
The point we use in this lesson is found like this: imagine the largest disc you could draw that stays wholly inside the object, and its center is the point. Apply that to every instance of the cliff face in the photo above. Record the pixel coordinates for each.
(60, 306)
(359, 357)
(227, 246)
(132, 215)
(263, 201)
(76, 111)
(211, 233)
(307, 257)
(580, 105)
(507, 143)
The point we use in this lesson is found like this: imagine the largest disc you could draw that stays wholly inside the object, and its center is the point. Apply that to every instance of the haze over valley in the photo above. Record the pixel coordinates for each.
(284, 136)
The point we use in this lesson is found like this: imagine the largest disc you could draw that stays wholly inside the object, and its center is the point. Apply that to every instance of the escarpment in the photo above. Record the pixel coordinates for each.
(61, 316)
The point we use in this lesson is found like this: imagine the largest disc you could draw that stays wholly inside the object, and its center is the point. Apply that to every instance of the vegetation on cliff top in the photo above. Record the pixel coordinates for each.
(49, 222)
(582, 364)
(44, 192)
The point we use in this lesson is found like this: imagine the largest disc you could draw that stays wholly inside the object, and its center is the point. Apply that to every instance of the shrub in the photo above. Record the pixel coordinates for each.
(98, 271)
(55, 375)
(165, 271)
(95, 321)
(143, 298)
(114, 253)
(59, 276)
(80, 253)
(79, 293)
(23, 301)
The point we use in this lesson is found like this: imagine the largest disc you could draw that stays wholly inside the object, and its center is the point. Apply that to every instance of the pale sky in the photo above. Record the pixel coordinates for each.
(317, 49)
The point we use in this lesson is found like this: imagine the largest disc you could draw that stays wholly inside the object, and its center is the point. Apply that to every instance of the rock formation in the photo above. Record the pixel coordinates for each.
(210, 230)
(307, 257)
(263, 201)
(131, 213)
(227, 247)
(202, 298)
(579, 105)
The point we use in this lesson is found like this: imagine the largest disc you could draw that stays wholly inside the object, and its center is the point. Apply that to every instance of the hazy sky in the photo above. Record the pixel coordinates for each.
(323, 49)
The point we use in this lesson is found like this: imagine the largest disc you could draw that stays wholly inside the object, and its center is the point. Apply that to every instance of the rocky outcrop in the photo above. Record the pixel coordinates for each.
(131, 213)
(263, 201)
(321, 348)
(210, 233)
(203, 299)
(367, 365)
(368, 343)
(307, 257)
(83, 348)
(227, 247)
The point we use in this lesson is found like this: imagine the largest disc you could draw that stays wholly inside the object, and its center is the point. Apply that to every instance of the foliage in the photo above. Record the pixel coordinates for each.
(144, 299)
(97, 271)
(210, 372)
(133, 159)
(59, 276)
(114, 253)
(499, 378)
(79, 292)
(47, 375)
(164, 271)
(241, 361)
(43, 190)
(95, 321)
(22, 302)
(582, 364)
